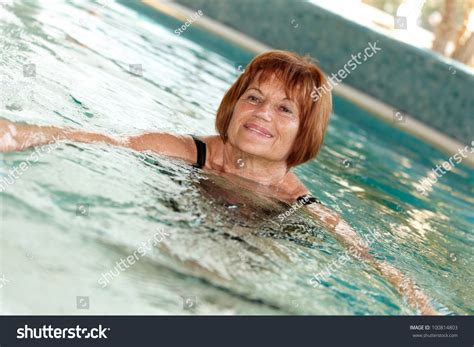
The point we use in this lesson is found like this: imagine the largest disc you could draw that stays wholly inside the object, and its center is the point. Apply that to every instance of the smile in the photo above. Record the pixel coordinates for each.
(258, 130)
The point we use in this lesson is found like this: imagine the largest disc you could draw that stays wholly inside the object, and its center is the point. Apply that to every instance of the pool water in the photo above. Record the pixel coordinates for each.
(82, 208)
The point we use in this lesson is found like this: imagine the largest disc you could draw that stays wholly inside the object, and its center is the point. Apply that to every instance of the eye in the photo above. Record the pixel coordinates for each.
(285, 109)
(253, 98)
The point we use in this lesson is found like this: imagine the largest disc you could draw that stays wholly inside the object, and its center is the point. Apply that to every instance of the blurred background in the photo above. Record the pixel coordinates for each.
(446, 26)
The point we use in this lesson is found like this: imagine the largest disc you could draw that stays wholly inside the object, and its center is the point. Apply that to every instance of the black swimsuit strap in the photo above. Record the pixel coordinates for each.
(201, 152)
(307, 199)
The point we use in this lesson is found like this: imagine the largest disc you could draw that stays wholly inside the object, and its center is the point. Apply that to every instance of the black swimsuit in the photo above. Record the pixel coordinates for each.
(201, 152)
(201, 162)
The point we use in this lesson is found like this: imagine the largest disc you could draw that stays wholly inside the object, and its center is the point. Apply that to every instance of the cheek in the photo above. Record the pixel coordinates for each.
(288, 130)
(242, 109)
(287, 136)
(234, 124)
(238, 116)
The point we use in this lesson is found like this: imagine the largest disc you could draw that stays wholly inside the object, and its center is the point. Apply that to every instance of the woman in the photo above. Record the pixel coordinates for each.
(268, 122)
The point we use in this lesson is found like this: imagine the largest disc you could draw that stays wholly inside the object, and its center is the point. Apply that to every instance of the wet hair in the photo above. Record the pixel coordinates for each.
(301, 77)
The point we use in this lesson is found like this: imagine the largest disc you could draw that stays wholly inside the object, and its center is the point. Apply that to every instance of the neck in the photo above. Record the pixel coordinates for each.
(253, 168)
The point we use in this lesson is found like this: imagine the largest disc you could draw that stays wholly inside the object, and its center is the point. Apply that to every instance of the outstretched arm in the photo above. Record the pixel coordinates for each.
(16, 137)
(360, 250)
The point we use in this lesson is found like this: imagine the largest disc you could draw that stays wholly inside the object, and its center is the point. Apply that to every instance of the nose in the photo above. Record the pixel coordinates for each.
(264, 111)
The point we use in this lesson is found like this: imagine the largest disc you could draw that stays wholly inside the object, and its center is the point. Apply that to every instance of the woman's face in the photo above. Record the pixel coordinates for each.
(265, 122)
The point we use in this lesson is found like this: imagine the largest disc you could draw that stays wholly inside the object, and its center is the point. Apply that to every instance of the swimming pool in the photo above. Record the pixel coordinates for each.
(80, 209)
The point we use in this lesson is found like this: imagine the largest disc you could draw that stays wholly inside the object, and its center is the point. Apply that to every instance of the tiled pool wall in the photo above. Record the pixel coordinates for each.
(435, 90)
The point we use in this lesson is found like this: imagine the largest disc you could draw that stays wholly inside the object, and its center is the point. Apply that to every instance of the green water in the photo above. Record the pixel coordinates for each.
(81, 208)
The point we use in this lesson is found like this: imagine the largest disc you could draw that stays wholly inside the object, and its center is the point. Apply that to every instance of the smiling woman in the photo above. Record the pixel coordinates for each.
(267, 124)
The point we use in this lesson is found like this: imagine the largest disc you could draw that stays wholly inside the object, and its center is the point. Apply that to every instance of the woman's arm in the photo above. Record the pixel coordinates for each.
(16, 137)
(360, 250)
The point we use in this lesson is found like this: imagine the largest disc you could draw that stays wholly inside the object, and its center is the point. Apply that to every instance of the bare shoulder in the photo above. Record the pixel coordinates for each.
(179, 146)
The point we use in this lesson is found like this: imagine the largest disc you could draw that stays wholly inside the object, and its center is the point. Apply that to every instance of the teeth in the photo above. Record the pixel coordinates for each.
(258, 132)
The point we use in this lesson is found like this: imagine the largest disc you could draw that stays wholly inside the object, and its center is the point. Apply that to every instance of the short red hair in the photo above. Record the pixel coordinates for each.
(301, 77)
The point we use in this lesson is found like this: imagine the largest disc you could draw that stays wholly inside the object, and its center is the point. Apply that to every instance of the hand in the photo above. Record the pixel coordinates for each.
(7, 136)
(407, 287)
